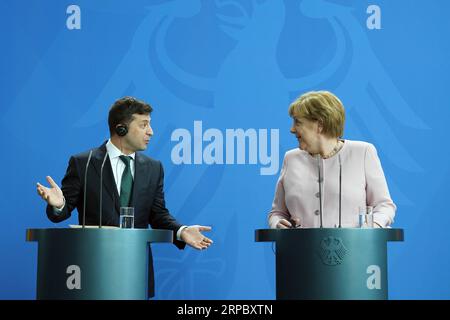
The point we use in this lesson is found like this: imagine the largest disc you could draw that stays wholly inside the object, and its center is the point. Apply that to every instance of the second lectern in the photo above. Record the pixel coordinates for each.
(331, 263)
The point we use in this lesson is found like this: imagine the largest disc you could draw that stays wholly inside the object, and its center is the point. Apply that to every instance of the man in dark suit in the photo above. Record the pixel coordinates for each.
(130, 179)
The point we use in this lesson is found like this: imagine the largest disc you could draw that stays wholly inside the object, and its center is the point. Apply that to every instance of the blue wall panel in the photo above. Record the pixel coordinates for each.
(213, 67)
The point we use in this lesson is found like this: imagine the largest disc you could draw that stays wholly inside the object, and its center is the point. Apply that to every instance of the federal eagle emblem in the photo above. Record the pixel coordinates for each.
(332, 251)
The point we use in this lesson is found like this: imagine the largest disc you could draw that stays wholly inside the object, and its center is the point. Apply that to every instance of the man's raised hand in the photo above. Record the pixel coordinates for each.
(53, 195)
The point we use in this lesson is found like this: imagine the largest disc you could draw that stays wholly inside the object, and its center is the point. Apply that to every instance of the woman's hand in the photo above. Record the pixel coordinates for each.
(287, 224)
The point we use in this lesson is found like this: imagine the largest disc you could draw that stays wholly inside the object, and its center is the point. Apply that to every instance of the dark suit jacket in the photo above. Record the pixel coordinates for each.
(147, 197)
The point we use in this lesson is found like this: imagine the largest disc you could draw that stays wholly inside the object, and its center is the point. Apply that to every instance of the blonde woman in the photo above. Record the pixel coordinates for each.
(318, 124)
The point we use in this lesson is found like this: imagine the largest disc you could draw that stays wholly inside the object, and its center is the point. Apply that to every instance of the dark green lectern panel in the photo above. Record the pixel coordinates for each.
(94, 263)
(331, 263)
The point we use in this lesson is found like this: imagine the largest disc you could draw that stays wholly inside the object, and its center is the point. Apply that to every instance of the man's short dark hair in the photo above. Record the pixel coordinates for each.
(122, 111)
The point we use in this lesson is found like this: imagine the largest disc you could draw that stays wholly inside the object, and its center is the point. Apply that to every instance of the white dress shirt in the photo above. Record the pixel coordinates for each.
(117, 165)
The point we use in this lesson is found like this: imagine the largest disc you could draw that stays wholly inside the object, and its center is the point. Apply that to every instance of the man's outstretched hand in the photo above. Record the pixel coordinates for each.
(192, 236)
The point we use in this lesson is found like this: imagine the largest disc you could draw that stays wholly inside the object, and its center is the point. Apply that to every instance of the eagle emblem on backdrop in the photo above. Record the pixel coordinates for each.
(211, 60)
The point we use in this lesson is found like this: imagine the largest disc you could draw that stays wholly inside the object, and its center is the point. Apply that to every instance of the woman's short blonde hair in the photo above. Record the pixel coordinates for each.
(322, 106)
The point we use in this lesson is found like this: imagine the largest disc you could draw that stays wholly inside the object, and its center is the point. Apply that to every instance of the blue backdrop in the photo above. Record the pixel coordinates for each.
(210, 68)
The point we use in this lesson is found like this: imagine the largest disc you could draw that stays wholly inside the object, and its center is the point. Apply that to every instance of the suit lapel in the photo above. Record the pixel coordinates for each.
(109, 184)
(140, 177)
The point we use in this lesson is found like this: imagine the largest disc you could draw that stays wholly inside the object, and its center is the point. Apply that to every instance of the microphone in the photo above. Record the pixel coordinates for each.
(101, 189)
(320, 190)
(340, 189)
(85, 187)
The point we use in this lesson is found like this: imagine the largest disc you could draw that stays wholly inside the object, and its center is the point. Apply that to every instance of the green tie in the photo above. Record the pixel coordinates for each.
(126, 185)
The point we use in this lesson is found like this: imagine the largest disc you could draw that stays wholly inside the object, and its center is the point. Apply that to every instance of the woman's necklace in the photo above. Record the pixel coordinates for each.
(334, 151)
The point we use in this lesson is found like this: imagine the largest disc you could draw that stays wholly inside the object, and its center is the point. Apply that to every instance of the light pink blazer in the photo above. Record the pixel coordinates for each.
(363, 183)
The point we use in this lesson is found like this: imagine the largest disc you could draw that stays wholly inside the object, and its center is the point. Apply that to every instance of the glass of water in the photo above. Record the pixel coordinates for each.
(366, 217)
(127, 217)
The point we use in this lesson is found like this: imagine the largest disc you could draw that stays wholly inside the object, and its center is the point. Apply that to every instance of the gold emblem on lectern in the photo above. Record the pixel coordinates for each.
(332, 251)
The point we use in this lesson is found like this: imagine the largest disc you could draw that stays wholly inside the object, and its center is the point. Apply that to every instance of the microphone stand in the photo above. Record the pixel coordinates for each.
(101, 189)
(340, 190)
(85, 188)
(320, 190)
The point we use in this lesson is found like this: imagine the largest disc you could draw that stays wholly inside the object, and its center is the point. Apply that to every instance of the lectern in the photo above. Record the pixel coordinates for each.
(331, 263)
(94, 263)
